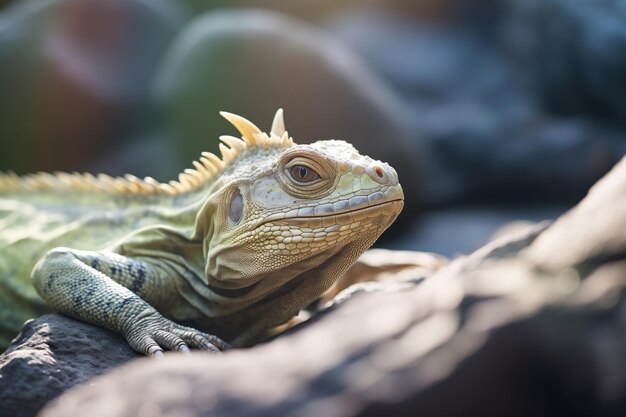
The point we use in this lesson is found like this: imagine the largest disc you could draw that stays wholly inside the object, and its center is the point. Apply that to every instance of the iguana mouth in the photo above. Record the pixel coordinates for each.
(344, 211)
(345, 217)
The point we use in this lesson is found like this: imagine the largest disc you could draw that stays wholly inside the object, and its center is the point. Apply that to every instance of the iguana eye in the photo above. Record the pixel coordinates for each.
(235, 211)
(302, 173)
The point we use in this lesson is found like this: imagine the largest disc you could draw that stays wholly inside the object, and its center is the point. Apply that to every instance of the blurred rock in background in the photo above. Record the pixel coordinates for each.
(491, 134)
(75, 77)
(581, 58)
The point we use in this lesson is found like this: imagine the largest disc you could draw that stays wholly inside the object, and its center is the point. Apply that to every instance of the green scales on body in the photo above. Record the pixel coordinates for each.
(235, 247)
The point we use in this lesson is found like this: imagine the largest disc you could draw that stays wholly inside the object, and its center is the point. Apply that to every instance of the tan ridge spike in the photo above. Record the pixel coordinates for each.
(228, 154)
(209, 166)
(235, 143)
(214, 160)
(278, 124)
(286, 139)
(168, 189)
(247, 129)
(201, 169)
(185, 180)
(197, 175)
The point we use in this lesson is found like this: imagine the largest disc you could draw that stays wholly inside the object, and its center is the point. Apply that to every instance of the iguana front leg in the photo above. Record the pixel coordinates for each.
(118, 293)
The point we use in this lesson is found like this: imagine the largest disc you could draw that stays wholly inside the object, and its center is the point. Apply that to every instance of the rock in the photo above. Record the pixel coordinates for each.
(52, 354)
(314, 10)
(303, 9)
(75, 75)
(531, 324)
(587, 237)
(583, 74)
(478, 95)
(471, 227)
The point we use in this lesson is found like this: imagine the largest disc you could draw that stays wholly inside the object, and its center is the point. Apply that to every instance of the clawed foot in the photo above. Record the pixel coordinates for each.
(152, 334)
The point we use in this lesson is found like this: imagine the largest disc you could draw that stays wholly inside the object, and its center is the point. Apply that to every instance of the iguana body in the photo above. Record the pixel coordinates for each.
(234, 247)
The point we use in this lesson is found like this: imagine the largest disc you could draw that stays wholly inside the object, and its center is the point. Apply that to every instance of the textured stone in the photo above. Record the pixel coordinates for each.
(52, 354)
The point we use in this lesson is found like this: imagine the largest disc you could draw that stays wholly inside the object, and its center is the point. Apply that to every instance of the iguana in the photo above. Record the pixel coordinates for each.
(235, 247)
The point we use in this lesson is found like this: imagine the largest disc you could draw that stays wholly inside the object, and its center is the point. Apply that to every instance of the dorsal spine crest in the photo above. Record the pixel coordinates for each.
(207, 167)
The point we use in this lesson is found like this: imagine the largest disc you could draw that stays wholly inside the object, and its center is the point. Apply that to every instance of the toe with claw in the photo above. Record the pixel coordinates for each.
(153, 333)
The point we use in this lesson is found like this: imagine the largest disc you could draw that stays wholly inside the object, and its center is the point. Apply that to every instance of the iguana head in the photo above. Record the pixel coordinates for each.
(291, 216)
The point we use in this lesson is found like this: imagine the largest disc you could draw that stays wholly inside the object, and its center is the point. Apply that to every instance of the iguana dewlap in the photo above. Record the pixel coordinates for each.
(235, 247)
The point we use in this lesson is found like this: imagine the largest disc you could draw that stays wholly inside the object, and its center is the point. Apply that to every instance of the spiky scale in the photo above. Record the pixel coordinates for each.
(233, 142)
(278, 124)
(228, 154)
(248, 130)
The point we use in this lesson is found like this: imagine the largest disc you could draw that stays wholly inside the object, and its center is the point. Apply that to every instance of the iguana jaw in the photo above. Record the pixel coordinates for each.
(344, 218)
(301, 239)
(355, 209)
(294, 238)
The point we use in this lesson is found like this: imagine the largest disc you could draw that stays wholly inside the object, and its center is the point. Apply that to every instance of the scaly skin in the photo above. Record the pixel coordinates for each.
(233, 249)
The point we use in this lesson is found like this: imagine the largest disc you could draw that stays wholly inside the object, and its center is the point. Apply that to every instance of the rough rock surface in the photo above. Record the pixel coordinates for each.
(532, 324)
(51, 354)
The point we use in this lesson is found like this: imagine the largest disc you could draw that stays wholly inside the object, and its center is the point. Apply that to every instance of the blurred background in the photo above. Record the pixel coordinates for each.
(495, 113)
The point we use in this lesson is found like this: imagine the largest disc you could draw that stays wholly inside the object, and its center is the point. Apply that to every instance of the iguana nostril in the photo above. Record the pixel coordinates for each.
(377, 173)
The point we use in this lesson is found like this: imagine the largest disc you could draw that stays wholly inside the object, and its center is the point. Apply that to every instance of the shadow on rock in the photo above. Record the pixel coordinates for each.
(52, 354)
